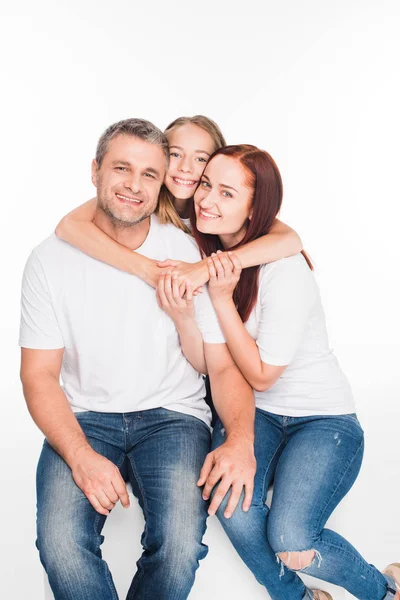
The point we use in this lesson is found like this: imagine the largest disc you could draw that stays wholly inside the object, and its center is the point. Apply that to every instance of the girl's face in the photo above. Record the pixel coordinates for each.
(223, 200)
(190, 147)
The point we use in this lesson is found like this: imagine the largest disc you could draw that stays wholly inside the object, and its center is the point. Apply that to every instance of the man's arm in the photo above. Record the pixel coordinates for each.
(233, 464)
(98, 478)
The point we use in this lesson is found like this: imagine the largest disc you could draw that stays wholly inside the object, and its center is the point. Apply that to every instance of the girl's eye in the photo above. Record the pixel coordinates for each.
(175, 154)
(201, 159)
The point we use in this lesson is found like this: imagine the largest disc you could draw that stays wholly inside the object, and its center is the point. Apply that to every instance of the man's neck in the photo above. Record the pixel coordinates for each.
(132, 236)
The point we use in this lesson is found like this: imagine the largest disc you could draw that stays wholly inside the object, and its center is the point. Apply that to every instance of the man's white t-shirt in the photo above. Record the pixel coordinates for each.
(288, 324)
(121, 351)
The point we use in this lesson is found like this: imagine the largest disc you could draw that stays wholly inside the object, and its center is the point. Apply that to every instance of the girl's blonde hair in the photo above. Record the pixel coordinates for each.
(166, 211)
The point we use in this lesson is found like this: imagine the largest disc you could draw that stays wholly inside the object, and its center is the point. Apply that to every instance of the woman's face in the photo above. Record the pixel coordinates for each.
(223, 200)
(190, 147)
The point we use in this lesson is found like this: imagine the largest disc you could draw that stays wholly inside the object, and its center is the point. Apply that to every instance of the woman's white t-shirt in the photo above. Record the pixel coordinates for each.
(288, 324)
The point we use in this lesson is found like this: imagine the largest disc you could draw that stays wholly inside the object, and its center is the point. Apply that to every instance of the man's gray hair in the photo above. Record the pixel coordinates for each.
(144, 130)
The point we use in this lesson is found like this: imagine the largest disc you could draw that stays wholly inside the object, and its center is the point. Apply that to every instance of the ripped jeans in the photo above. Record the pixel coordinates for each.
(313, 462)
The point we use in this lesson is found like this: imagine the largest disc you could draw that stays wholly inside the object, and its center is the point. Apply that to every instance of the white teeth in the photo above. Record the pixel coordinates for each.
(208, 215)
(183, 181)
(128, 199)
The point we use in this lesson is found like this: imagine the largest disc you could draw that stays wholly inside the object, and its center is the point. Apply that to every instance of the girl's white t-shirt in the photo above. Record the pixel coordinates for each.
(288, 324)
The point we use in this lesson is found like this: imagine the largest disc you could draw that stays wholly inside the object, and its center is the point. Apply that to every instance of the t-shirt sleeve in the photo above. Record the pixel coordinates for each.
(207, 320)
(287, 294)
(38, 328)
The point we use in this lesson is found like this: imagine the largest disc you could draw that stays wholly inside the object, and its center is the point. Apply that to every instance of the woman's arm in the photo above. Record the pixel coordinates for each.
(280, 242)
(179, 306)
(224, 276)
(77, 228)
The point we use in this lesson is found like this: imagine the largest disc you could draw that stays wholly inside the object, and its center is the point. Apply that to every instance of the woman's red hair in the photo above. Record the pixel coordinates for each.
(265, 180)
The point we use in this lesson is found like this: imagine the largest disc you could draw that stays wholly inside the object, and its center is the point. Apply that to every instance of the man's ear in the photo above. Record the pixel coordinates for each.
(95, 169)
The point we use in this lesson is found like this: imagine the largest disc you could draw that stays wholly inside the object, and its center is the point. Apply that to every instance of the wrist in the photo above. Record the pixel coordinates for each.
(147, 270)
(77, 451)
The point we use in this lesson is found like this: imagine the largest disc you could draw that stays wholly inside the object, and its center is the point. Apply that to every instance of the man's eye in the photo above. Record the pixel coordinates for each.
(121, 168)
(149, 175)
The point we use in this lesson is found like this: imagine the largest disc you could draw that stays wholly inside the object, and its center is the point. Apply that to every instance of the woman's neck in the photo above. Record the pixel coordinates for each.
(229, 240)
(182, 207)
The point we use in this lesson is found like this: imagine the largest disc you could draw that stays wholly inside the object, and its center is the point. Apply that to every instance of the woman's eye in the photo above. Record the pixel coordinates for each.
(227, 194)
(205, 184)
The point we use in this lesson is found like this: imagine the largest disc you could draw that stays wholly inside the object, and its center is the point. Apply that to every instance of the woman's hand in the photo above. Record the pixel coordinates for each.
(173, 300)
(224, 271)
(196, 273)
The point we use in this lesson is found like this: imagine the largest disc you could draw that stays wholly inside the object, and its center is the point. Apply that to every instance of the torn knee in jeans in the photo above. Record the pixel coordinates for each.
(297, 561)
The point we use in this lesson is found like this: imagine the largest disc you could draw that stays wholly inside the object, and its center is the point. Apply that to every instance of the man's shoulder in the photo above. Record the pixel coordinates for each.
(52, 251)
(178, 240)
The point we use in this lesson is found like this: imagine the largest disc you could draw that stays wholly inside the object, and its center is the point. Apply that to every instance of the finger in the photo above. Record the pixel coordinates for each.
(233, 500)
(168, 263)
(226, 263)
(218, 266)
(212, 271)
(168, 290)
(237, 265)
(205, 469)
(96, 505)
(104, 499)
(177, 296)
(211, 482)
(120, 489)
(161, 291)
(219, 495)
(189, 292)
(248, 494)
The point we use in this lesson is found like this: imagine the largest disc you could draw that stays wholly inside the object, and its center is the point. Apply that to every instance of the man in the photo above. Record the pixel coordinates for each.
(131, 406)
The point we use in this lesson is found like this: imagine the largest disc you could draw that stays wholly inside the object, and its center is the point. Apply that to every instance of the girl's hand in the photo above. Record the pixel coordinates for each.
(224, 271)
(196, 273)
(173, 300)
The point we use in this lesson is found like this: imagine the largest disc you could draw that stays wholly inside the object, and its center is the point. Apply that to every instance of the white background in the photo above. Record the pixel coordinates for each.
(314, 82)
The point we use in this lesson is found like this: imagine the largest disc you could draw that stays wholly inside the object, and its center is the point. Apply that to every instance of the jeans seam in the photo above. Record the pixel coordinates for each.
(264, 490)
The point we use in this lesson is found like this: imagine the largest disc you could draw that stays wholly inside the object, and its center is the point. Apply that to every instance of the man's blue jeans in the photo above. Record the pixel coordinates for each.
(313, 462)
(161, 453)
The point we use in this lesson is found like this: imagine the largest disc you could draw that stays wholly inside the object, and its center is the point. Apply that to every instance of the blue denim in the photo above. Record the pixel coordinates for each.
(313, 462)
(161, 453)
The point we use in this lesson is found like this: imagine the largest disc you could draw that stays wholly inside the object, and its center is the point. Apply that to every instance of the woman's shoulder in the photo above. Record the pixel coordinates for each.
(291, 275)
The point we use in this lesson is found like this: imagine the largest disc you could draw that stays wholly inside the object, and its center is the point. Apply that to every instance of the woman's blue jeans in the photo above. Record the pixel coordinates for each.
(313, 462)
(161, 453)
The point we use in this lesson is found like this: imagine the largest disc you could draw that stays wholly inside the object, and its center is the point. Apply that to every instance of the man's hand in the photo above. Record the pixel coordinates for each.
(99, 479)
(233, 465)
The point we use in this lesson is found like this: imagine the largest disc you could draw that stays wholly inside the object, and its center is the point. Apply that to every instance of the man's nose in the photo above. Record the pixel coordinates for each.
(133, 183)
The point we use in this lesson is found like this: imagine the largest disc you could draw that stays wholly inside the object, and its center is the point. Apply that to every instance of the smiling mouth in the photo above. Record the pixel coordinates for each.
(184, 182)
(207, 215)
(128, 200)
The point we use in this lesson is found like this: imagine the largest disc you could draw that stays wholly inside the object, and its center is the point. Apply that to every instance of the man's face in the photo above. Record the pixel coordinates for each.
(129, 179)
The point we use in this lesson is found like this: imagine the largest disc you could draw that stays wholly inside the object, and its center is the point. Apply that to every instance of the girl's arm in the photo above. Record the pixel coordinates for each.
(280, 242)
(78, 229)
(179, 306)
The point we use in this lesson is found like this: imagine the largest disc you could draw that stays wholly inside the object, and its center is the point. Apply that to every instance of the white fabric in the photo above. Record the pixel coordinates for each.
(122, 352)
(288, 324)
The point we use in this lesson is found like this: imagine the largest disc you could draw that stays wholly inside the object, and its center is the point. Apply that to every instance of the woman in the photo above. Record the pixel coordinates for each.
(192, 140)
(307, 438)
